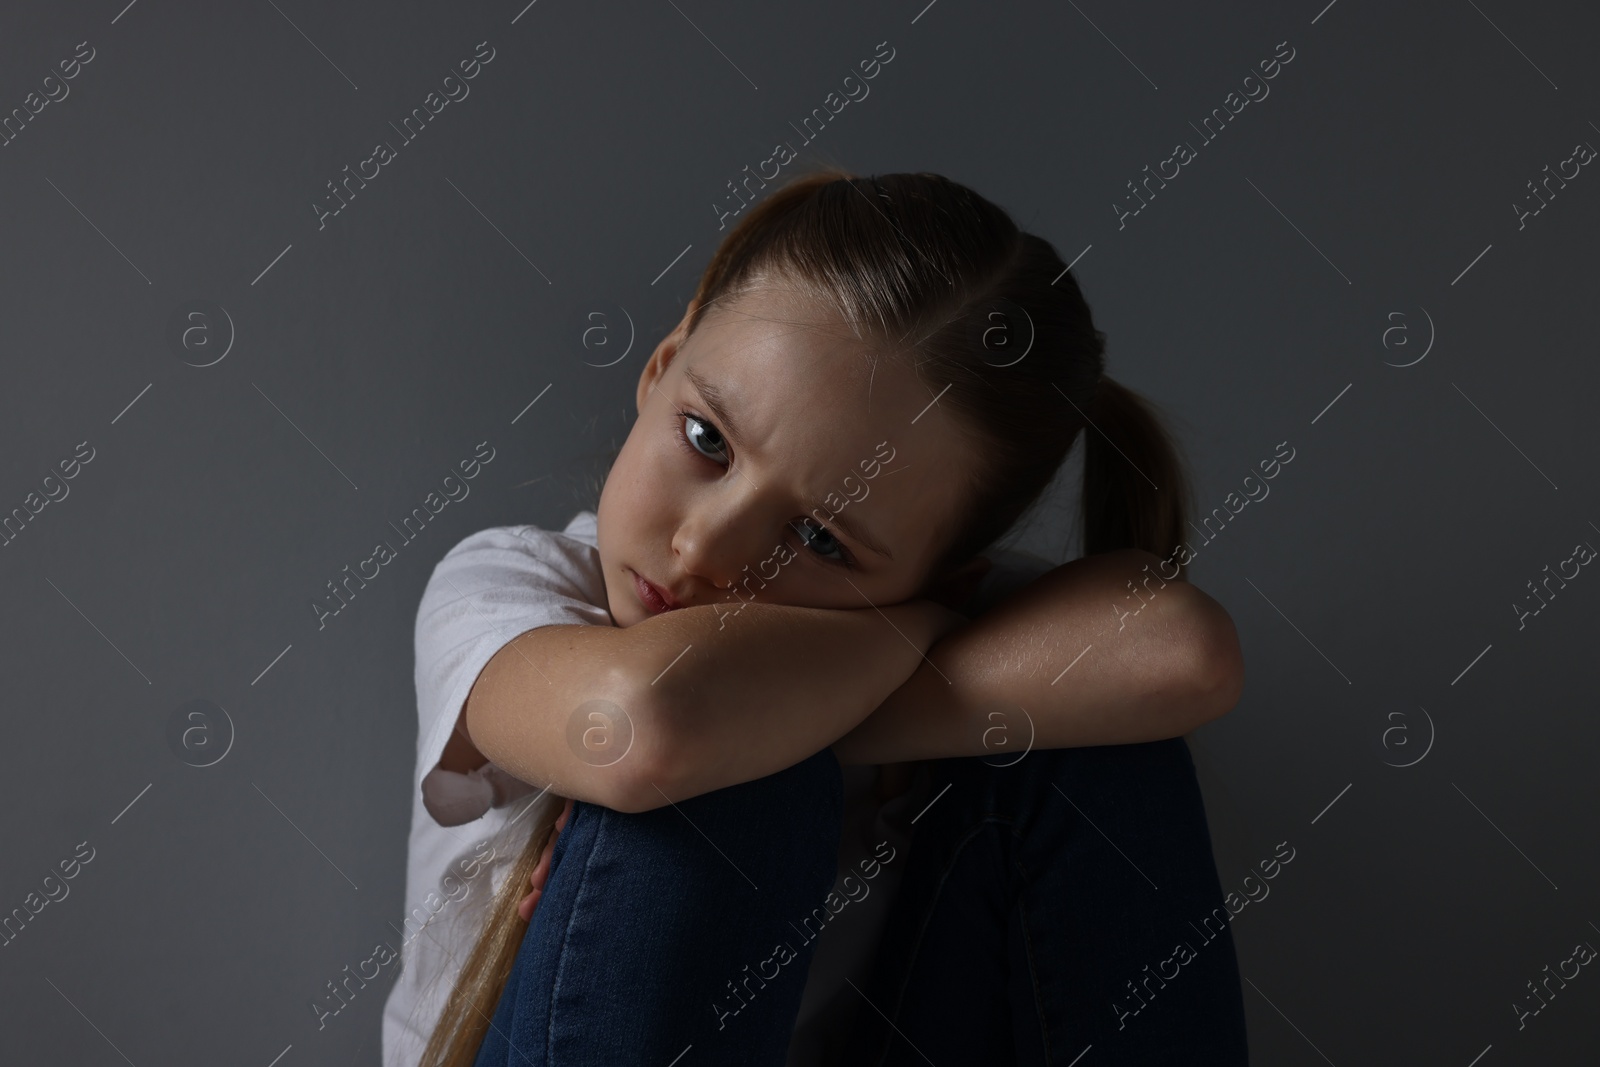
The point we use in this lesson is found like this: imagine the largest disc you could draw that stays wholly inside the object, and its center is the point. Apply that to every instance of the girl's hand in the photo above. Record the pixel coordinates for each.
(541, 871)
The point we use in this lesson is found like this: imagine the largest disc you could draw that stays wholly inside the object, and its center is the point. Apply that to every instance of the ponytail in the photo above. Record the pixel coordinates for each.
(1136, 493)
(471, 1004)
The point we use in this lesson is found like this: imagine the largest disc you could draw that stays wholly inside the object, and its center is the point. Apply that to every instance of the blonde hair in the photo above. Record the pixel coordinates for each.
(470, 1006)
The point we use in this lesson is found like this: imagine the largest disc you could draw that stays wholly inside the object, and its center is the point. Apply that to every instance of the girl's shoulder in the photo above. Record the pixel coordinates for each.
(577, 542)
(522, 562)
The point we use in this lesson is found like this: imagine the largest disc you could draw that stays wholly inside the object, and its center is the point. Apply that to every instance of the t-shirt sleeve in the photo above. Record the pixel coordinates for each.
(489, 588)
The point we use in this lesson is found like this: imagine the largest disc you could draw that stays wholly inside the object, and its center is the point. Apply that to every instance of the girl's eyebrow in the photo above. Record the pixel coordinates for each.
(859, 534)
(719, 407)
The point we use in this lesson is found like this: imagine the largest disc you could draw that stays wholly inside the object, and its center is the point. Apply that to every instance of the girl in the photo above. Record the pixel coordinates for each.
(792, 723)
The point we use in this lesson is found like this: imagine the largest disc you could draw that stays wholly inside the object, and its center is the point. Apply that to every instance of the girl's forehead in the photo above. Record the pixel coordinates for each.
(781, 346)
(774, 385)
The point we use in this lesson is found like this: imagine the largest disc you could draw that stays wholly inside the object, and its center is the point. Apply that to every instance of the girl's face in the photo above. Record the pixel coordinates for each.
(778, 459)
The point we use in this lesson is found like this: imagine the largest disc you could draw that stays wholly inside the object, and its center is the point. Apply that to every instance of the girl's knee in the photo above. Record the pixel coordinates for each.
(1142, 775)
(792, 818)
(803, 800)
(792, 815)
(1117, 765)
(817, 780)
(810, 789)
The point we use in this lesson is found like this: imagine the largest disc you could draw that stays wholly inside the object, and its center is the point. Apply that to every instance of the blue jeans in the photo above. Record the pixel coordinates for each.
(1040, 913)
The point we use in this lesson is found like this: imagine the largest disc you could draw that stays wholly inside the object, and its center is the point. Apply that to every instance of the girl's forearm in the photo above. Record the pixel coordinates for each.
(1141, 669)
(736, 702)
(686, 702)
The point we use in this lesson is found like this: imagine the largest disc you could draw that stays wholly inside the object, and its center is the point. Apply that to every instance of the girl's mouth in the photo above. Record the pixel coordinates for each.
(655, 599)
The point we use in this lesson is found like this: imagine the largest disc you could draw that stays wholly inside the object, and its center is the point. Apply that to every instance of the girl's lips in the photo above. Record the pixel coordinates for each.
(654, 599)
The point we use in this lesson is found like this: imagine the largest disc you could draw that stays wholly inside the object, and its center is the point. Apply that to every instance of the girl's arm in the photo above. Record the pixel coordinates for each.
(695, 704)
(1162, 658)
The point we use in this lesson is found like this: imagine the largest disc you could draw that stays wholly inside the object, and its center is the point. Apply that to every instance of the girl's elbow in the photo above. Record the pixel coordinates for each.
(1205, 663)
(595, 735)
(1218, 672)
(621, 735)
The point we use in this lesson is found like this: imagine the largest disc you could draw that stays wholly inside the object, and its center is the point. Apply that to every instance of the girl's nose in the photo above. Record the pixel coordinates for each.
(714, 546)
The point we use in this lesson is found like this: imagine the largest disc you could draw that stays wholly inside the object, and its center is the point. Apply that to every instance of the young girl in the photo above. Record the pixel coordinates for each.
(818, 773)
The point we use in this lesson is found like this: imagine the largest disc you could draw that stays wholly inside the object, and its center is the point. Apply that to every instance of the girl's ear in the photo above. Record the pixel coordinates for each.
(656, 365)
(957, 587)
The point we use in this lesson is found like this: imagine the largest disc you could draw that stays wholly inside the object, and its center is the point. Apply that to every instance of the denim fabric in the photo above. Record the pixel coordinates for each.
(654, 929)
(1041, 905)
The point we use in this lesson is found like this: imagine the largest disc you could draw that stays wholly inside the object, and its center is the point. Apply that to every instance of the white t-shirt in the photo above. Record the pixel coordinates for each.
(467, 830)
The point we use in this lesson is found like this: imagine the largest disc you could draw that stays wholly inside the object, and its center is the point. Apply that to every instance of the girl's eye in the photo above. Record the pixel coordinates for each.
(821, 542)
(702, 437)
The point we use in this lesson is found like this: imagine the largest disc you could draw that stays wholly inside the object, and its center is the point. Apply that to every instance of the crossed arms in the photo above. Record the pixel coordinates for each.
(1079, 656)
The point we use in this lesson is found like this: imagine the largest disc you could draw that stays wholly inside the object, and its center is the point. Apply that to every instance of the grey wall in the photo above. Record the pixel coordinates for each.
(1374, 588)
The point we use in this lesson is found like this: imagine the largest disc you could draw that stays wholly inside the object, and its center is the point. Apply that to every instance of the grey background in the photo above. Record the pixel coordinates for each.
(1247, 298)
